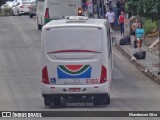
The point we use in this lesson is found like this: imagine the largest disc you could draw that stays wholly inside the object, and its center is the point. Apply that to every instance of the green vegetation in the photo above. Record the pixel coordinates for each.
(145, 8)
(5, 12)
(147, 12)
(149, 26)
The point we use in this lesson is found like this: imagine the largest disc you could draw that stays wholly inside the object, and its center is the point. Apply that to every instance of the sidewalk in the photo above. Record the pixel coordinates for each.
(146, 65)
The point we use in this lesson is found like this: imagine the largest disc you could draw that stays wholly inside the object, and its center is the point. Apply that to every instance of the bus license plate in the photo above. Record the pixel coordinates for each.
(74, 89)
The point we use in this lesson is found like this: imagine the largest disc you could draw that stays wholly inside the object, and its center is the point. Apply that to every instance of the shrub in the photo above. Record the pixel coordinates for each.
(6, 11)
(149, 26)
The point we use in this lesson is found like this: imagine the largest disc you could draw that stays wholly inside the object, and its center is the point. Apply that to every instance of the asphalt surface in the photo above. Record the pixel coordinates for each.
(20, 75)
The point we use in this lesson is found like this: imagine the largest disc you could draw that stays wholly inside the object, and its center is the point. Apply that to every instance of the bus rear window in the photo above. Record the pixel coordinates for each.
(74, 38)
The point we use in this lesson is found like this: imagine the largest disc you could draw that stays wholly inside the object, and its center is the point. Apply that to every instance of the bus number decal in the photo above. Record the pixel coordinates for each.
(91, 81)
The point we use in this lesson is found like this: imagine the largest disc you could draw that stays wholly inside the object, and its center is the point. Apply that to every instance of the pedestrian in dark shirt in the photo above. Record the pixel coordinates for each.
(100, 8)
(118, 7)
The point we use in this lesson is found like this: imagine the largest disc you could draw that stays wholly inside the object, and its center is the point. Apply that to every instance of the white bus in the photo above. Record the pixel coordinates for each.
(56, 9)
(76, 60)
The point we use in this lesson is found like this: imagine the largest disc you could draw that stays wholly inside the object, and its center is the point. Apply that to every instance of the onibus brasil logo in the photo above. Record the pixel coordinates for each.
(74, 71)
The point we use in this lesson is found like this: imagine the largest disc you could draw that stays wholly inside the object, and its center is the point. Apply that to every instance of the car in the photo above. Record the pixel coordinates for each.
(21, 7)
(32, 9)
(76, 60)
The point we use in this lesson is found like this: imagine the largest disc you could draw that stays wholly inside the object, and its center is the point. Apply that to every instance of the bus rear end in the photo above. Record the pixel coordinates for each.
(58, 9)
(74, 63)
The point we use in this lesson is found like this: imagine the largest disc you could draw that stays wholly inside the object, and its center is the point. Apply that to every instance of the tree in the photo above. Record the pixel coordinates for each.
(144, 8)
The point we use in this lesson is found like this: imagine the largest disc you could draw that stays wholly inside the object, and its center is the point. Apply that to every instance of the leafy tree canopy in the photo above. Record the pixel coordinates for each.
(144, 8)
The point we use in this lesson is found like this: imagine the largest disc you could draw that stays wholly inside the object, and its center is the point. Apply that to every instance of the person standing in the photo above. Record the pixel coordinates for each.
(139, 35)
(100, 8)
(110, 2)
(90, 9)
(111, 17)
(84, 5)
(121, 22)
(107, 6)
(135, 26)
(118, 7)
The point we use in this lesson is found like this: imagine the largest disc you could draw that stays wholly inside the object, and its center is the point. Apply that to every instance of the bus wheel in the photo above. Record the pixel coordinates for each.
(31, 16)
(106, 99)
(39, 27)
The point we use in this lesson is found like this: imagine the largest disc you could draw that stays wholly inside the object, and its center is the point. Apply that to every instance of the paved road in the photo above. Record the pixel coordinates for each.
(20, 74)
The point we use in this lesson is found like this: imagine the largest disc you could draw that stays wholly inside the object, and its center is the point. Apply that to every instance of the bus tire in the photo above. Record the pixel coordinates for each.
(102, 99)
(106, 99)
(39, 27)
(31, 16)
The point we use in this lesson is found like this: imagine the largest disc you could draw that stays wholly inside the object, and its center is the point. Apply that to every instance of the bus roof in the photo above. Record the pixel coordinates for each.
(86, 22)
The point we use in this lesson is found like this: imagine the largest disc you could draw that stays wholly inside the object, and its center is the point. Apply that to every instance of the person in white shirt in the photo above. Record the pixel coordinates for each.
(90, 9)
(111, 17)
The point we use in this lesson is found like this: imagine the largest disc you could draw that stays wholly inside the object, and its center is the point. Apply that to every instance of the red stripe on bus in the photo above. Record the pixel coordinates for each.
(73, 51)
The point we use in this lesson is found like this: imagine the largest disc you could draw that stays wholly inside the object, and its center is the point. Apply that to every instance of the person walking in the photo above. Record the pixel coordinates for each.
(121, 22)
(111, 17)
(139, 33)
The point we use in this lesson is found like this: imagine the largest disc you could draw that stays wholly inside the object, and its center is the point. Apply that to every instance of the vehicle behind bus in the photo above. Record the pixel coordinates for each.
(48, 10)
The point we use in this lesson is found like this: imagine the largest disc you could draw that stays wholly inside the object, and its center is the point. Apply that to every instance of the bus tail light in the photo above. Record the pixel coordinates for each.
(103, 78)
(45, 79)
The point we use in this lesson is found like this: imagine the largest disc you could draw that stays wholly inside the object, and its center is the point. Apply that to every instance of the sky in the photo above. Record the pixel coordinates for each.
(11, 3)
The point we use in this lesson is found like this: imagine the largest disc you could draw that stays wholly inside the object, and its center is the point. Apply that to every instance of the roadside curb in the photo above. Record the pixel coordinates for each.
(138, 65)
